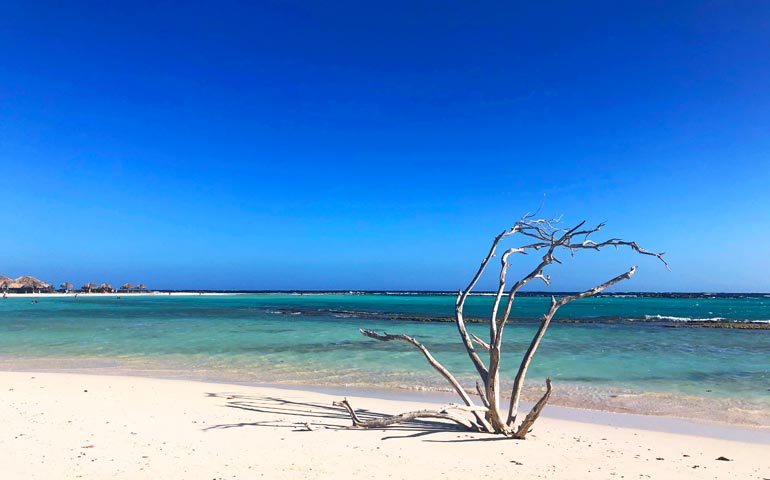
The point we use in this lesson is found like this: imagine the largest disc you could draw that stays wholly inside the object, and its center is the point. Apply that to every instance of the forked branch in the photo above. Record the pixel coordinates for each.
(480, 342)
(518, 383)
(529, 420)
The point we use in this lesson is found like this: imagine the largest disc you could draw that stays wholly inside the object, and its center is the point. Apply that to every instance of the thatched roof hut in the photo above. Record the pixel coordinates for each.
(5, 281)
(105, 288)
(32, 282)
(25, 284)
(130, 288)
(88, 287)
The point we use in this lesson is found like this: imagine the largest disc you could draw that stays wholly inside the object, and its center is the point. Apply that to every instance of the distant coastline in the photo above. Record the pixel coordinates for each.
(427, 293)
(485, 293)
(446, 293)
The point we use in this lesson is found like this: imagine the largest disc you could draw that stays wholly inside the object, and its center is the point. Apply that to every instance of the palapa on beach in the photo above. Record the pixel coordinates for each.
(24, 283)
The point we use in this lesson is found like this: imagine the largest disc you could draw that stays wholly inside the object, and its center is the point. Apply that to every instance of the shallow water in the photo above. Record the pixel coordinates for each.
(621, 355)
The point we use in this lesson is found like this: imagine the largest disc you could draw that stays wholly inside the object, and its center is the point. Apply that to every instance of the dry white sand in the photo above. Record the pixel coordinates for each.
(68, 426)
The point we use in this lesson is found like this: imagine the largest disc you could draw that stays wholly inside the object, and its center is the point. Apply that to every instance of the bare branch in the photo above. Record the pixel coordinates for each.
(493, 330)
(615, 242)
(463, 408)
(402, 417)
(460, 304)
(548, 234)
(433, 362)
(529, 420)
(547, 231)
(436, 365)
(495, 242)
(500, 289)
(481, 342)
(555, 305)
(482, 395)
(593, 291)
(547, 259)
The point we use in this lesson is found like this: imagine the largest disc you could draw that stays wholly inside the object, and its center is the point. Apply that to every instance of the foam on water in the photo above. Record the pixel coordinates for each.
(670, 318)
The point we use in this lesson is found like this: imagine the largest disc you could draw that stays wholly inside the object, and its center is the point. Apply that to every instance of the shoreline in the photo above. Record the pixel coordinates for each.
(96, 426)
(234, 341)
(653, 423)
(689, 415)
(744, 432)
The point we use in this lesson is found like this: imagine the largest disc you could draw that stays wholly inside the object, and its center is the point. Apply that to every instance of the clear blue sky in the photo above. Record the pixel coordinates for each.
(380, 145)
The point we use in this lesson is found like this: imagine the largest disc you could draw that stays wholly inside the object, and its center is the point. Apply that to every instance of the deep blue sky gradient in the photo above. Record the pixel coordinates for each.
(366, 145)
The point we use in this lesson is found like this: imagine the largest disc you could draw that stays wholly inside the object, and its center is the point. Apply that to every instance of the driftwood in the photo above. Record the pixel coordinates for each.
(539, 236)
(403, 417)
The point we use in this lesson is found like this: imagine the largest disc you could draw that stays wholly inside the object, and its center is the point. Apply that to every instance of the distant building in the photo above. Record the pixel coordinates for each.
(24, 284)
(128, 288)
(4, 282)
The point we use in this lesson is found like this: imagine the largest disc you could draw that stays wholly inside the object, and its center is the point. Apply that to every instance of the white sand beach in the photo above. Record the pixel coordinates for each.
(61, 425)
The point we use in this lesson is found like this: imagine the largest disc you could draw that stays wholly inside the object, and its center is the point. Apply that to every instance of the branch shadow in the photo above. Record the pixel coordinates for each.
(486, 438)
(320, 416)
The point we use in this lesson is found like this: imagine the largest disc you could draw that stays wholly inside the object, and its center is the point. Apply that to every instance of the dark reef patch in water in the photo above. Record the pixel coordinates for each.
(669, 322)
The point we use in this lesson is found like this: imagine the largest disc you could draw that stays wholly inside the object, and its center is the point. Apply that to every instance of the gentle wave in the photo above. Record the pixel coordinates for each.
(283, 312)
(669, 318)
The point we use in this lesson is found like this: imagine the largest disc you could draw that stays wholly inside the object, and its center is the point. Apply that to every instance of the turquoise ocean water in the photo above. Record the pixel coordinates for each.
(619, 353)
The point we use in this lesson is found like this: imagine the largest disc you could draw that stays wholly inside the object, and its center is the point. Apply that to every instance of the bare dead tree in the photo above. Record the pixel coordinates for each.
(538, 235)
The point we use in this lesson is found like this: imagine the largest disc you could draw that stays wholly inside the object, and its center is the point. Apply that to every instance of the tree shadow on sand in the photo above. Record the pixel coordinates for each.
(309, 416)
